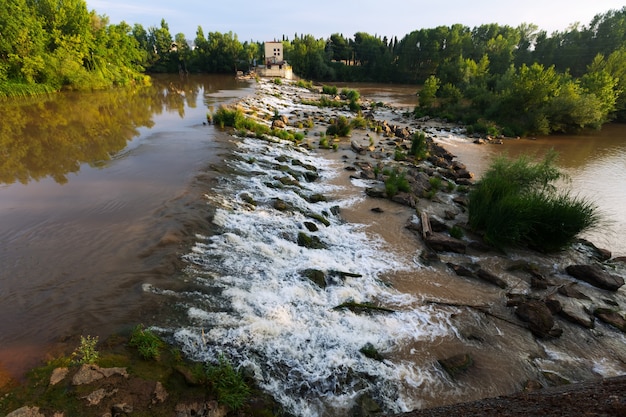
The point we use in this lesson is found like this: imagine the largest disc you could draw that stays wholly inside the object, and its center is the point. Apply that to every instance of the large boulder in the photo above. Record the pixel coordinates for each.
(595, 276)
(538, 317)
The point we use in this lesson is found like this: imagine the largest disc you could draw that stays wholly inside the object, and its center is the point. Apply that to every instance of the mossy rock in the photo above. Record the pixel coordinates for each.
(316, 276)
(310, 242)
(371, 352)
(360, 308)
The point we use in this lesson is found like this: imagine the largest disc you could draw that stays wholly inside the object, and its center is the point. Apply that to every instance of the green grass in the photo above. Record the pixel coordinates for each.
(396, 182)
(516, 203)
(228, 383)
(148, 344)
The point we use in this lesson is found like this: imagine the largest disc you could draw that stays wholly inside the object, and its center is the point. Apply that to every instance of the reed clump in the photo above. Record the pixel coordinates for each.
(517, 204)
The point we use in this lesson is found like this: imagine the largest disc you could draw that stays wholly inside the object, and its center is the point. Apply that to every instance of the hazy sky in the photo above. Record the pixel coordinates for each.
(264, 20)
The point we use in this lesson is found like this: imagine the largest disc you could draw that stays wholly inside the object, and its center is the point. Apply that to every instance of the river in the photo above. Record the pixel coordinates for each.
(173, 223)
(96, 193)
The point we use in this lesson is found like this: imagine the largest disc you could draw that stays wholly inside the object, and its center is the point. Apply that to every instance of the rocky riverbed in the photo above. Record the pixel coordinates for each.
(516, 321)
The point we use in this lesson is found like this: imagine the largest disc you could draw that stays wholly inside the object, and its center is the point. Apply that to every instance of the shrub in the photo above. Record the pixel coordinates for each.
(228, 116)
(339, 127)
(516, 203)
(230, 387)
(351, 95)
(396, 181)
(419, 147)
(330, 90)
(147, 343)
(86, 352)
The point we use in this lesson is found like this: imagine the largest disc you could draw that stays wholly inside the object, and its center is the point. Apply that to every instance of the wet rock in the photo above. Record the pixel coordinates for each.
(361, 150)
(461, 270)
(595, 276)
(538, 317)
(310, 242)
(366, 407)
(316, 276)
(405, 199)
(577, 315)
(443, 243)
(377, 210)
(491, 278)
(280, 205)
(378, 191)
(371, 352)
(555, 379)
(316, 198)
(456, 364)
(595, 252)
(611, 317)
(311, 227)
(571, 291)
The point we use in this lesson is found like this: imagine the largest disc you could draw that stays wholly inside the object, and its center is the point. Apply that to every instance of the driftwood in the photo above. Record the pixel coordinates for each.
(426, 229)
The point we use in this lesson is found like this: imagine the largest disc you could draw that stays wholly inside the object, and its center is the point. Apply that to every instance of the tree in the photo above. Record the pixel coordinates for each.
(429, 91)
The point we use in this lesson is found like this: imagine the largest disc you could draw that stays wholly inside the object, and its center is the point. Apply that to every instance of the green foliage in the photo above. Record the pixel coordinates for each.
(429, 91)
(228, 383)
(435, 183)
(277, 81)
(419, 146)
(339, 127)
(228, 116)
(516, 203)
(148, 344)
(330, 90)
(456, 232)
(305, 84)
(396, 181)
(86, 353)
(350, 94)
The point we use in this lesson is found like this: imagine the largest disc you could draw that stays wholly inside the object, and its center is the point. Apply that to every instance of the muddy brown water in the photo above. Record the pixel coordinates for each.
(96, 196)
(100, 193)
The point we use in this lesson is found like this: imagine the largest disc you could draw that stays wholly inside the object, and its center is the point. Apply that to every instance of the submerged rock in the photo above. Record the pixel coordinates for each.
(443, 243)
(611, 317)
(456, 364)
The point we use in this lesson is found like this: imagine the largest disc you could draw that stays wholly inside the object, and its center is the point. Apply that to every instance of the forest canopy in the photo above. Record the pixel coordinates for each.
(497, 79)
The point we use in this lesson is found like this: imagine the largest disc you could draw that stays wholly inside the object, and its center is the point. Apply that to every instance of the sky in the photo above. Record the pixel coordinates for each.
(268, 20)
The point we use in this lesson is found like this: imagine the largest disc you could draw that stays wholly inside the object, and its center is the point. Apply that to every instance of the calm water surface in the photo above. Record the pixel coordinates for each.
(95, 191)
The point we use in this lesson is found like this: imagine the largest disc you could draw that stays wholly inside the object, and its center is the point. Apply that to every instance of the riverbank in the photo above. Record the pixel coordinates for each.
(442, 321)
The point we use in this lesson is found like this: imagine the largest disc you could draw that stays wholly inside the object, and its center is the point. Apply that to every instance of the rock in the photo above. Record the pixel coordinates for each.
(443, 243)
(26, 412)
(121, 409)
(405, 199)
(461, 270)
(160, 394)
(278, 124)
(538, 316)
(98, 395)
(594, 251)
(310, 242)
(58, 375)
(456, 364)
(571, 291)
(361, 150)
(595, 276)
(88, 374)
(311, 227)
(316, 276)
(366, 407)
(577, 316)
(491, 278)
(378, 191)
(377, 210)
(280, 205)
(316, 198)
(611, 317)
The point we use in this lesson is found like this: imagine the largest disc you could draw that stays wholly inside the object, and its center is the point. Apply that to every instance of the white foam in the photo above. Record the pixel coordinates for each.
(281, 325)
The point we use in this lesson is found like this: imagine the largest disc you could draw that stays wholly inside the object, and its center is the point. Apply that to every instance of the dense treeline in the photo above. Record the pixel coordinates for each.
(495, 78)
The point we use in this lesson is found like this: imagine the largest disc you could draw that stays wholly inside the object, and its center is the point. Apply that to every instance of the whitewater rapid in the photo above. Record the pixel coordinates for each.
(258, 309)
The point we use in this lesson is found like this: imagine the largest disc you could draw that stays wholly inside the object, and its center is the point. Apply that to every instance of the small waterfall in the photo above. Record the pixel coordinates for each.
(258, 307)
